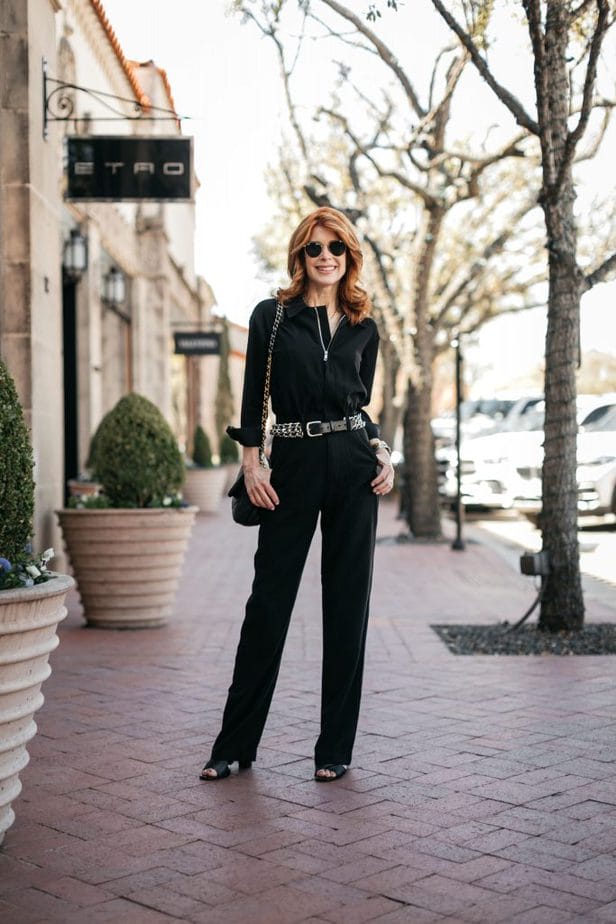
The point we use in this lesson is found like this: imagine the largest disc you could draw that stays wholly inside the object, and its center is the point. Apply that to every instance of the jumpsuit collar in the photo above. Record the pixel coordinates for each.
(297, 304)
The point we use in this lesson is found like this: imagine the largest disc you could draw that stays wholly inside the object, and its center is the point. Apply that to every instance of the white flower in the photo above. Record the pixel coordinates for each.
(33, 571)
(47, 555)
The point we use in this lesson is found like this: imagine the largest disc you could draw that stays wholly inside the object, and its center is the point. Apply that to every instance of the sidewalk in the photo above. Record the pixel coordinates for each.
(483, 789)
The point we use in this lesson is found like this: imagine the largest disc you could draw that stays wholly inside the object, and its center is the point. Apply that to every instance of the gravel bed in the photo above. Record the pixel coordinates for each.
(592, 639)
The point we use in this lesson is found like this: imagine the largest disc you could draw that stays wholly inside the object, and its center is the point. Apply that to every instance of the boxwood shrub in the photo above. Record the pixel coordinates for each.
(229, 452)
(16, 480)
(202, 450)
(135, 455)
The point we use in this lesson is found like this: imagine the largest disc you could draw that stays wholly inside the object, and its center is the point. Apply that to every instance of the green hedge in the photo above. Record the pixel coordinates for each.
(135, 455)
(16, 464)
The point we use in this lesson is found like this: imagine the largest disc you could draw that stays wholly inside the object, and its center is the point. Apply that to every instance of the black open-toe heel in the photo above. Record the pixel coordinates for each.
(338, 770)
(222, 768)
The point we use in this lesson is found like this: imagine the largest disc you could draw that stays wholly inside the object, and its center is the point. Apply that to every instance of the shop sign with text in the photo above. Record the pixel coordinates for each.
(198, 343)
(128, 169)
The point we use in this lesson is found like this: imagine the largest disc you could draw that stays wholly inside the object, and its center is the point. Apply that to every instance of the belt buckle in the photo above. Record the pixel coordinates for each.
(309, 424)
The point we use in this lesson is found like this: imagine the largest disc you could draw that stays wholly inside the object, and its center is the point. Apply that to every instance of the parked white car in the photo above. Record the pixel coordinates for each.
(478, 417)
(503, 470)
(596, 470)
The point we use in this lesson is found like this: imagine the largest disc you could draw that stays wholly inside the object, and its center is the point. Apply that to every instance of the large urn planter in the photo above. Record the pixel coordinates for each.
(127, 563)
(29, 617)
(204, 487)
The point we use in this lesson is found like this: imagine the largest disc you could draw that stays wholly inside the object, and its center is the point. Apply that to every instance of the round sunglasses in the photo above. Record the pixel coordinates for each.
(314, 248)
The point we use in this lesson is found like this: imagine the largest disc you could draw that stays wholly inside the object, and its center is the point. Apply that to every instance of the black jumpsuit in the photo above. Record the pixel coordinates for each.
(330, 475)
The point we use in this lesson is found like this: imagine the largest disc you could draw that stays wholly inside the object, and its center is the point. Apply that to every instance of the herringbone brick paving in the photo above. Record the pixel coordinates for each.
(483, 789)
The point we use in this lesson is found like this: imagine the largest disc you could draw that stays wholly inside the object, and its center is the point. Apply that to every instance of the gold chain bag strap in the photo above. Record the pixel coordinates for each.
(267, 383)
(243, 510)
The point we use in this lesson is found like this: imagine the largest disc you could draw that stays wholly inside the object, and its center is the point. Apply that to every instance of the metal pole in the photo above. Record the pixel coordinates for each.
(458, 543)
(45, 131)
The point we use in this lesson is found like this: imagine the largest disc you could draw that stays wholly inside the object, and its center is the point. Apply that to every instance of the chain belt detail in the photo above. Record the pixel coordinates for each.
(297, 430)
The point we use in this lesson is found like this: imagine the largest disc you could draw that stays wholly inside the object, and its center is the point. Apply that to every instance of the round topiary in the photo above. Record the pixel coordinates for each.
(202, 451)
(136, 456)
(229, 453)
(16, 481)
(90, 461)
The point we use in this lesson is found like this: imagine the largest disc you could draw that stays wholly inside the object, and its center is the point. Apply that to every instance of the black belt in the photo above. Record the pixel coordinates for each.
(296, 429)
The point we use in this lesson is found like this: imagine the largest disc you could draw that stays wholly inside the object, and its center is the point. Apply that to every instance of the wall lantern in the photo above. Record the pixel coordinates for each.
(75, 256)
(114, 288)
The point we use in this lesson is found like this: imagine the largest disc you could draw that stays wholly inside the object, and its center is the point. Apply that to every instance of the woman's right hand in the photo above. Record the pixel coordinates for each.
(257, 481)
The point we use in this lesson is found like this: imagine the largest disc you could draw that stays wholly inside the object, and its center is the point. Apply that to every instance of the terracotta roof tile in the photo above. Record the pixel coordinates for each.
(163, 76)
(127, 65)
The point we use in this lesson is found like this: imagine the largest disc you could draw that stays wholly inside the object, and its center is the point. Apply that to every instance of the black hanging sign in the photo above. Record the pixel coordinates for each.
(125, 168)
(197, 343)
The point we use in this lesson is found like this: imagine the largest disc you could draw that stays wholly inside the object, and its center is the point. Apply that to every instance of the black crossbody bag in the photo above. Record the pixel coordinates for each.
(243, 510)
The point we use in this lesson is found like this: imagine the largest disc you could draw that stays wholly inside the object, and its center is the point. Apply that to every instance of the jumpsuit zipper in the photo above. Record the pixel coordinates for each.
(326, 350)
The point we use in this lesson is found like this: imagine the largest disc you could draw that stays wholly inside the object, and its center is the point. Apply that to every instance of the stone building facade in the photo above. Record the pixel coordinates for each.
(73, 352)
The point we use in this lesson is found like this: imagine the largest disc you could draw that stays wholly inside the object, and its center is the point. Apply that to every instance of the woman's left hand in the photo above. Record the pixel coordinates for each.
(384, 481)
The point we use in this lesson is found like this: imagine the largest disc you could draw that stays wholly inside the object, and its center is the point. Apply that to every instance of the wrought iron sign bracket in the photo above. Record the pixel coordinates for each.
(59, 105)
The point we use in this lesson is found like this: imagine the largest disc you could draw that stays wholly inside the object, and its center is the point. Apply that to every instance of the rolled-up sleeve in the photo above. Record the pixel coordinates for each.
(249, 433)
(366, 374)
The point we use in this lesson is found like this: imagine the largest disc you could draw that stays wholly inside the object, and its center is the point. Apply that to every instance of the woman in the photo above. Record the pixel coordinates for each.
(326, 459)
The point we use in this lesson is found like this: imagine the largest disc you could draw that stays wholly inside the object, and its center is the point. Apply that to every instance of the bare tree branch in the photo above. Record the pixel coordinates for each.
(541, 72)
(472, 187)
(491, 158)
(492, 311)
(342, 36)
(437, 61)
(383, 50)
(431, 118)
(451, 295)
(596, 144)
(510, 101)
(602, 272)
(577, 12)
(589, 83)
(270, 32)
(427, 197)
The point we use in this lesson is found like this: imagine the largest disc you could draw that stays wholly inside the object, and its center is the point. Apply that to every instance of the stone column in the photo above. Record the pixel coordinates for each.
(154, 332)
(30, 246)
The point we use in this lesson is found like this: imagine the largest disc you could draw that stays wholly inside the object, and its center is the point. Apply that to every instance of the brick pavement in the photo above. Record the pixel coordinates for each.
(483, 789)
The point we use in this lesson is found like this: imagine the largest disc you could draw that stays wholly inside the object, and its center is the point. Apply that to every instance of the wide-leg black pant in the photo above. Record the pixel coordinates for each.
(329, 476)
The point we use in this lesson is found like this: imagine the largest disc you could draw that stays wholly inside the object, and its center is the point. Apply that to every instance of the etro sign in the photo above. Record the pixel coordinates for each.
(125, 168)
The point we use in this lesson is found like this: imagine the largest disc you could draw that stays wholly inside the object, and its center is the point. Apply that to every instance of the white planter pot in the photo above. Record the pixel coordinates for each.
(29, 617)
(204, 488)
(127, 563)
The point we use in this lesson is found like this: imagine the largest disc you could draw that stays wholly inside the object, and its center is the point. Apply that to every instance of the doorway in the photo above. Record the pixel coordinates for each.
(69, 340)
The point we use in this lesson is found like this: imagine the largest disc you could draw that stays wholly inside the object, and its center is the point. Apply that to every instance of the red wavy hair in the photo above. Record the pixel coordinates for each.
(353, 299)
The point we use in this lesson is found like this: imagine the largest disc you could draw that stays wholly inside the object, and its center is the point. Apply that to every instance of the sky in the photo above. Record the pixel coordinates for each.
(225, 78)
(224, 75)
